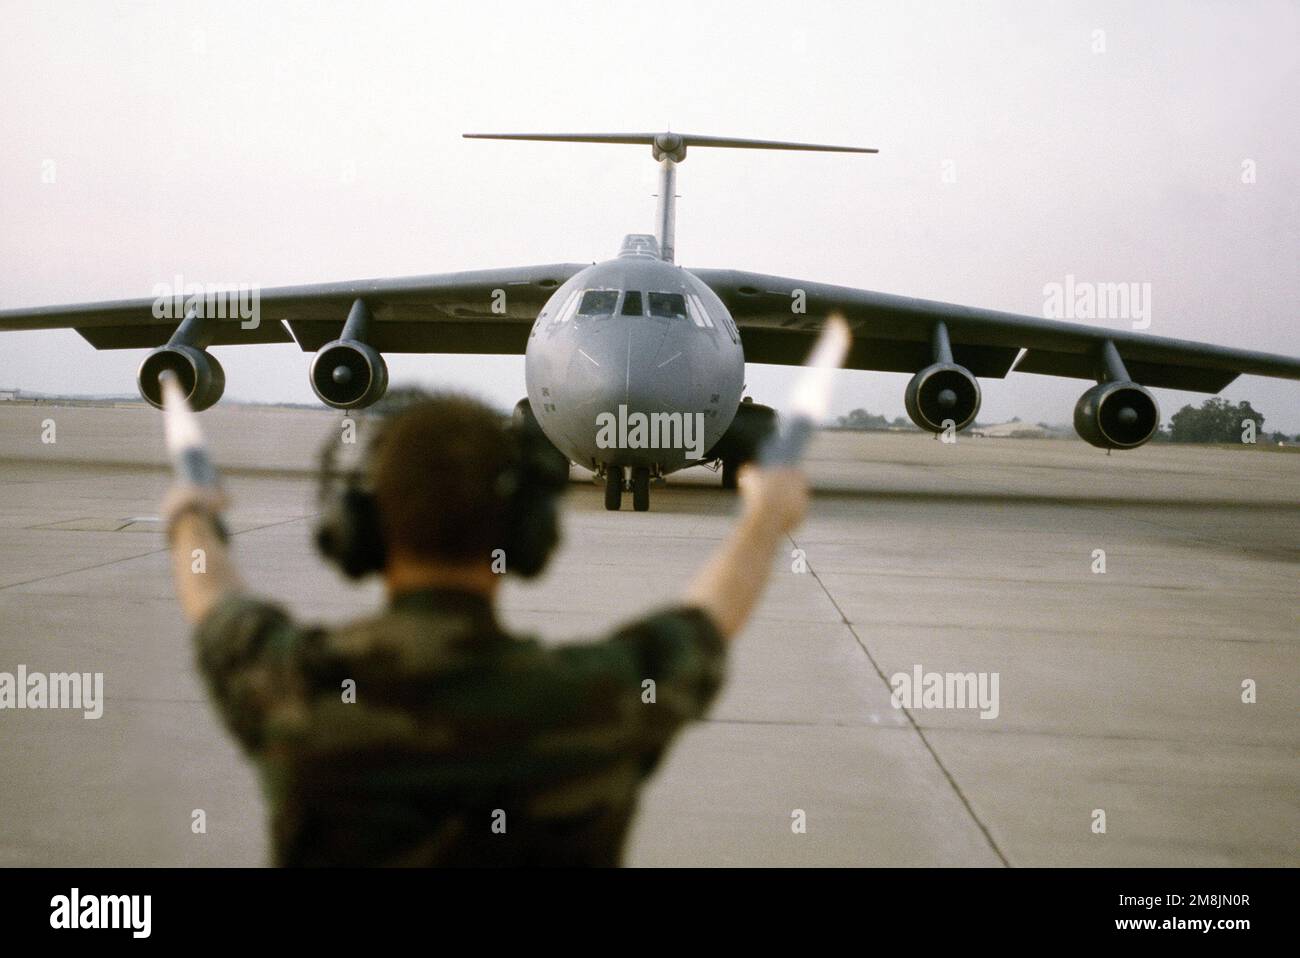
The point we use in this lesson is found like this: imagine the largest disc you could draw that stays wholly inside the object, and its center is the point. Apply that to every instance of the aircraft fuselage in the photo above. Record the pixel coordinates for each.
(634, 362)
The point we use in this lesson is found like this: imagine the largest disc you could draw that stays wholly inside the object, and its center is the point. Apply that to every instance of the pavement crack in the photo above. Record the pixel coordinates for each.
(957, 790)
(138, 555)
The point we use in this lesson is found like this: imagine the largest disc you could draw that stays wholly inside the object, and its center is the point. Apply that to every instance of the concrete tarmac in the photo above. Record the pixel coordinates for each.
(1120, 693)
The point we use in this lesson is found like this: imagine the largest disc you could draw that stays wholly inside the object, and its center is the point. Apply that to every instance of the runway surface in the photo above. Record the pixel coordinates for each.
(1119, 692)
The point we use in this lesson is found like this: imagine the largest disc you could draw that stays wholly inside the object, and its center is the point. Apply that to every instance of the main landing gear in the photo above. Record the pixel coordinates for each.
(640, 484)
(730, 471)
(740, 444)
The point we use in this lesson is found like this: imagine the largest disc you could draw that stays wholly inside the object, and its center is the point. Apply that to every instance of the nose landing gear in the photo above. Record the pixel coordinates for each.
(614, 488)
(640, 488)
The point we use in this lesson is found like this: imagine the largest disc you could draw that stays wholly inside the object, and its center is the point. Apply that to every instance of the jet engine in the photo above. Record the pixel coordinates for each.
(1116, 415)
(348, 374)
(201, 376)
(942, 392)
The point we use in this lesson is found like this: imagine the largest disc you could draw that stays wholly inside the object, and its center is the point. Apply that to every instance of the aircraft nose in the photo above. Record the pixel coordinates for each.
(654, 369)
(626, 361)
(622, 366)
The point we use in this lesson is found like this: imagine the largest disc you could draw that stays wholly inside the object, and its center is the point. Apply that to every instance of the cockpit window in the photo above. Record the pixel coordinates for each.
(632, 303)
(565, 312)
(668, 305)
(598, 302)
(698, 312)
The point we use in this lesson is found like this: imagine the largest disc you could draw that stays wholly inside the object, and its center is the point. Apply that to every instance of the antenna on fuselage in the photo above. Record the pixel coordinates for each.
(669, 149)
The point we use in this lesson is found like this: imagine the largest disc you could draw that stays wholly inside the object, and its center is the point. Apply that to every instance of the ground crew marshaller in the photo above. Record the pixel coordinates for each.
(459, 743)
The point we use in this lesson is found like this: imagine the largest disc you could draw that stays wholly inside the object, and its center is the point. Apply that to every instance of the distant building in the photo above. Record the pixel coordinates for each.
(8, 395)
(1015, 429)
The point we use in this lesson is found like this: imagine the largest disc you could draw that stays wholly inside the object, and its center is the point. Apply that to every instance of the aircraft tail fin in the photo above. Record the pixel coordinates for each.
(669, 149)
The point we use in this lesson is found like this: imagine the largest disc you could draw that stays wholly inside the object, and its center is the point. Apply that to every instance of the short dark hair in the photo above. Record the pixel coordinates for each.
(435, 473)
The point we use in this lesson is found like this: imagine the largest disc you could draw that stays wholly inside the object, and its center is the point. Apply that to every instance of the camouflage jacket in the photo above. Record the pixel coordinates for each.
(426, 735)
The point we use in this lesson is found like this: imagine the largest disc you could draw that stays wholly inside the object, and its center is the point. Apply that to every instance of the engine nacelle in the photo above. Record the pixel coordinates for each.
(348, 374)
(201, 377)
(942, 392)
(1116, 415)
(523, 418)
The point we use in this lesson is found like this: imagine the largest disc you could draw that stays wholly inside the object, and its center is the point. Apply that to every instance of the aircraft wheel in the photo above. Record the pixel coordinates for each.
(640, 488)
(614, 488)
(730, 470)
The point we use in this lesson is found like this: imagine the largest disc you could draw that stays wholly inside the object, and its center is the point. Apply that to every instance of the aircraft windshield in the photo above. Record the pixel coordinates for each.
(667, 305)
(598, 302)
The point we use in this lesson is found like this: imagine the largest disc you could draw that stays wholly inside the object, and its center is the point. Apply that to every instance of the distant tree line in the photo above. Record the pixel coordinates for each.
(1219, 421)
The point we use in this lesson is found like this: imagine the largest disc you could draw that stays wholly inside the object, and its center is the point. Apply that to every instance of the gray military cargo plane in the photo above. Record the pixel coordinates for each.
(634, 367)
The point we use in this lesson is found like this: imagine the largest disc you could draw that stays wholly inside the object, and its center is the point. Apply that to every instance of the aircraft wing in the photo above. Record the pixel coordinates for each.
(893, 333)
(442, 313)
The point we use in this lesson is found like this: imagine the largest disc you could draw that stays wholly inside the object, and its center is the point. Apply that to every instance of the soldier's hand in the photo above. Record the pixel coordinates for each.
(775, 495)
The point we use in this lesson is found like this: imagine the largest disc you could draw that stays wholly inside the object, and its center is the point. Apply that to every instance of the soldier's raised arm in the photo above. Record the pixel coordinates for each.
(775, 494)
(733, 580)
(202, 568)
(192, 510)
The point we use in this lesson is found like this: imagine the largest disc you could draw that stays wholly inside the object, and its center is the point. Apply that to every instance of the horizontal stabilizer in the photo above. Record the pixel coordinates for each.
(672, 144)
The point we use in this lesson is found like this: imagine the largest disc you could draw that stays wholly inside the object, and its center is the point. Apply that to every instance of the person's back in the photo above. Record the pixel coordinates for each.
(424, 734)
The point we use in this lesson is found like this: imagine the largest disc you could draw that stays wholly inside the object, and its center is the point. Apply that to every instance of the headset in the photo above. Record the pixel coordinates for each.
(350, 534)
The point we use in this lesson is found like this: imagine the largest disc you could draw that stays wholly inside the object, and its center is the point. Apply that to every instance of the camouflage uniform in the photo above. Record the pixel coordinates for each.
(456, 725)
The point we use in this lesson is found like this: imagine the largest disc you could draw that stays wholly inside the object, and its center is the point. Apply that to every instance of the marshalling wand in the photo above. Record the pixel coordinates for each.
(185, 443)
(811, 397)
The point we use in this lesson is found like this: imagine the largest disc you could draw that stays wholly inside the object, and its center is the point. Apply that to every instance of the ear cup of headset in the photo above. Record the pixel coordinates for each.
(538, 476)
(534, 532)
(349, 533)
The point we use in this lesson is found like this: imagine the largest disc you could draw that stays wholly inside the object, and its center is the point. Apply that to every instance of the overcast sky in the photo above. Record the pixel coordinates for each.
(272, 144)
